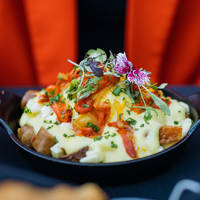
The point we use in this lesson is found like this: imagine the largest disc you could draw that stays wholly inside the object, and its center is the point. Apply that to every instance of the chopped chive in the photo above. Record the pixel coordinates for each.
(129, 112)
(85, 106)
(113, 135)
(176, 122)
(107, 132)
(69, 96)
(131, 121)
(55, 139)
(52, 91)
(107, 136)
(27, 110)
(49, 127)
(70, 107)
(113, 145)
(147, 116)
(96, 138)
(117, 91)
(94, 127)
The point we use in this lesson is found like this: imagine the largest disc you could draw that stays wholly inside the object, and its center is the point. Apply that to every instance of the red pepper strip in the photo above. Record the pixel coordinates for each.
(63, 113)
(126, 133)
(80, 108)
(128, 143)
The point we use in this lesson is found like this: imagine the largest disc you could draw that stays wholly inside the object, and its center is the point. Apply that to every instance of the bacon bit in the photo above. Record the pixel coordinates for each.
(81, 109)
(52, 88)
(86, 131)
(126, 133)
(43, 99)
(102, 112)
(63, 113)
(107, 80)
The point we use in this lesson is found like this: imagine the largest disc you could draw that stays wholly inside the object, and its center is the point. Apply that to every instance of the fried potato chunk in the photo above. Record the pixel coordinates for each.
(28, 95)
(169, 134)
(43, 142)
(26, 134)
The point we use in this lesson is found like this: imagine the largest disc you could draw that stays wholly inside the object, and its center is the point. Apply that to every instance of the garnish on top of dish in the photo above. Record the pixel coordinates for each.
(104, 110)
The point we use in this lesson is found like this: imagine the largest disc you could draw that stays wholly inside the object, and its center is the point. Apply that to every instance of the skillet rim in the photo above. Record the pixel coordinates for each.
(169, 92)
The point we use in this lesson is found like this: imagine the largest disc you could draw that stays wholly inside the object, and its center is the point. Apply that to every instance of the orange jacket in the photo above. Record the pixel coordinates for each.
(164, 38)
(36, 38)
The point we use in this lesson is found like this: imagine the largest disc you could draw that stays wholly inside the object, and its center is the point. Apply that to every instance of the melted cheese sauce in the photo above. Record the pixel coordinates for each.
(146, 136)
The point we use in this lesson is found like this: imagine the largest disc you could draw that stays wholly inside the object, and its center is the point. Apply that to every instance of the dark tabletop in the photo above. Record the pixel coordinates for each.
(14, 165)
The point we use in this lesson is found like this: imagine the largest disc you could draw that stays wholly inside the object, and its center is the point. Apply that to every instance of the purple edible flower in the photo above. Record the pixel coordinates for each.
(138, 77)
(122, 66)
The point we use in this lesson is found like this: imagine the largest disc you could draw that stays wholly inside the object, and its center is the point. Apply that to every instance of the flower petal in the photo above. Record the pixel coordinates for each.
(138, 77)
(122, 66)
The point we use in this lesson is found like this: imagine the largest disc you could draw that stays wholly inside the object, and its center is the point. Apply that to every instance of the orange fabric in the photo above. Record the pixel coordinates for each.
(37, 37)
(164, 38)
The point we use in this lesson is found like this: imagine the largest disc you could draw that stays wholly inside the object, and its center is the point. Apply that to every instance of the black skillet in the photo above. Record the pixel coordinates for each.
(10, 113)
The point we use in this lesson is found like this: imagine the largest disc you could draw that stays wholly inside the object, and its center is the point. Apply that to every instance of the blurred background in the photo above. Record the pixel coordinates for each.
(37, 37)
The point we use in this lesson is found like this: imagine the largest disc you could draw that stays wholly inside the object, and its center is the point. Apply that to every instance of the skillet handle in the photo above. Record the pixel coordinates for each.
(194, 128)
(195, 100)
(5, 127)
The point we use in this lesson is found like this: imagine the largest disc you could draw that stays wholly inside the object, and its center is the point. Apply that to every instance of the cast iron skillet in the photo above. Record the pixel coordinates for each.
(10, 113)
